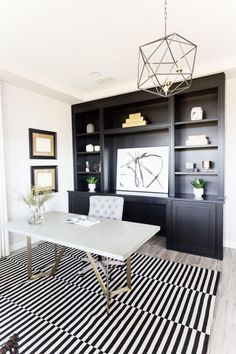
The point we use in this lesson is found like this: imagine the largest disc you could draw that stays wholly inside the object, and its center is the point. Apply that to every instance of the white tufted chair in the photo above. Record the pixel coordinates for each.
(104, 207)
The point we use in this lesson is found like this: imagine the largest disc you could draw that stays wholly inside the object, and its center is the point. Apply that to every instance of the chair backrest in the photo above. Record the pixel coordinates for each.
(106, 207)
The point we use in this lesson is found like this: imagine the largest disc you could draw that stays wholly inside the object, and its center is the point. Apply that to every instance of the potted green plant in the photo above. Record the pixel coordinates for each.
(91, 180)
(198, 187)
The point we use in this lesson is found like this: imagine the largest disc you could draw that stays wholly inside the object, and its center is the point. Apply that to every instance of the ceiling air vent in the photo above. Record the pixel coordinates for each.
(104, 80)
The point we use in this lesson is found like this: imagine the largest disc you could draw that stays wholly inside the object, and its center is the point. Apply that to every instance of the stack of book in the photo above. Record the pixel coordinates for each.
(134, 120)
(197, 140)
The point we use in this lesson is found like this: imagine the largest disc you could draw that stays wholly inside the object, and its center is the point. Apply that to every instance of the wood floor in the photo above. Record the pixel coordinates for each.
(223, 338)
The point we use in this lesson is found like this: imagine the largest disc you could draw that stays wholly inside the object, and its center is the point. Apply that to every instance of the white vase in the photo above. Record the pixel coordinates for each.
(196, 113)
(198, 192)
(90, 128)
(91, 187)
(36, 214)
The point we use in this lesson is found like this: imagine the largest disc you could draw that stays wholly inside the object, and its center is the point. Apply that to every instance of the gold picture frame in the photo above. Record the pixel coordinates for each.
(42, 144)
(44, 178)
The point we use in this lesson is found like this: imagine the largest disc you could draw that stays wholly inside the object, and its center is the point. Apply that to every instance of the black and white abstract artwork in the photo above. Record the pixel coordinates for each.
(143, 169)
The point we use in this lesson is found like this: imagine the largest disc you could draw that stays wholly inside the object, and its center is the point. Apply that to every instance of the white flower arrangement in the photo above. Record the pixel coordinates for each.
(36, 199)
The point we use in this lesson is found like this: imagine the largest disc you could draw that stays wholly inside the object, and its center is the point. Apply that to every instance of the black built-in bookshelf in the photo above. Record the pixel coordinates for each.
(190, 225)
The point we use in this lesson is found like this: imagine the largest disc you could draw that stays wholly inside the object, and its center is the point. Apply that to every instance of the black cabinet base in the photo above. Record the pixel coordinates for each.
(145, 210)
(194, 227)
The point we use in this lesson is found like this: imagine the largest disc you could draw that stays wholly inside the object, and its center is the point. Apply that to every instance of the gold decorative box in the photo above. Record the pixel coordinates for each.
(134, 120)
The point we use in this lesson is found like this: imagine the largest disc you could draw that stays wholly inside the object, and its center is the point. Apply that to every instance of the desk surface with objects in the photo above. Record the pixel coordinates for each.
(110, 238)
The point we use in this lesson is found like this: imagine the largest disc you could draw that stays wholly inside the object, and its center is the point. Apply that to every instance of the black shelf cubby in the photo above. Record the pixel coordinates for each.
(155, 111)
(207, 99)
(84, 118)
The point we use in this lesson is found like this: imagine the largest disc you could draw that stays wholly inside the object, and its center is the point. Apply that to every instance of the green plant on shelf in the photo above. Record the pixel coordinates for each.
(198, 183)
(91, 180)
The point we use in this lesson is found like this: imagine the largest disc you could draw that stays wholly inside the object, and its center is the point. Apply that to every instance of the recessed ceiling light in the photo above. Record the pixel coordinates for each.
(95, 74)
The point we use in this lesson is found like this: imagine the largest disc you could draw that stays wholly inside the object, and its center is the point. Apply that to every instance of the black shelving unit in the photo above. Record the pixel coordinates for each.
(169, 124)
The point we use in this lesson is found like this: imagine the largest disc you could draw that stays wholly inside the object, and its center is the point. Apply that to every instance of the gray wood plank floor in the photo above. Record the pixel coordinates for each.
(223, 338)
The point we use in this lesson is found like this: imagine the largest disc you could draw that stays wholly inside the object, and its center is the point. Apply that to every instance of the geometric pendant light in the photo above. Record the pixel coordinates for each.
(166, 65)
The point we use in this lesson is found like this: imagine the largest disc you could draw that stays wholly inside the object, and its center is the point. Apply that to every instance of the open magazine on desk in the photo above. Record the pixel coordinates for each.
(82, 220)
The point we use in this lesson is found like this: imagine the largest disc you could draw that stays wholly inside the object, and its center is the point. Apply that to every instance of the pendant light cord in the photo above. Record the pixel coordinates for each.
(165, 16)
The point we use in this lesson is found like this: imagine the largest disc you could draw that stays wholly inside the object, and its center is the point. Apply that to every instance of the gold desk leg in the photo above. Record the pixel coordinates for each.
(59, 257)
(29, 257)
(105, 288)
(55, 250)
(128, 270)
(108, 292)
(32, 276)
(96, 271)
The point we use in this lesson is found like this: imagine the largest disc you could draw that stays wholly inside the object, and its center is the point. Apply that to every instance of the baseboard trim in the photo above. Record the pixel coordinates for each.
(18, 246)
(230, 244)
(15, 247)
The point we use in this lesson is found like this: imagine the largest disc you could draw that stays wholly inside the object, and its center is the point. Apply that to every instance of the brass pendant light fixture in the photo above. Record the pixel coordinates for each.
(166, 65)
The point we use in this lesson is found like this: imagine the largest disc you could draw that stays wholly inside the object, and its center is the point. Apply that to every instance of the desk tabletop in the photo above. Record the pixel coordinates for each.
(110, 238)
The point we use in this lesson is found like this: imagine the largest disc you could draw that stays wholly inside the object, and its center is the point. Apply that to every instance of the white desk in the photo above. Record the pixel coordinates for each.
(109, 238)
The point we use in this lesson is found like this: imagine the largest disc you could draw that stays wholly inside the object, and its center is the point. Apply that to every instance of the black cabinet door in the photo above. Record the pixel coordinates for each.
(146, 213)
(193, 228)
(78, 203)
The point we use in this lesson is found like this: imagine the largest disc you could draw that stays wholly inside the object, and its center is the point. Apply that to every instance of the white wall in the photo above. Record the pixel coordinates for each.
(230, 164)
(22, 110)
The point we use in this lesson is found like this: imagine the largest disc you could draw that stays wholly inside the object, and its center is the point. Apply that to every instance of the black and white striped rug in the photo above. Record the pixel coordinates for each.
(169, 310)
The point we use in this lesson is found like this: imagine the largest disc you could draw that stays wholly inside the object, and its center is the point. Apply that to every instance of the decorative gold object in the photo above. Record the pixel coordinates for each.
(134, 120)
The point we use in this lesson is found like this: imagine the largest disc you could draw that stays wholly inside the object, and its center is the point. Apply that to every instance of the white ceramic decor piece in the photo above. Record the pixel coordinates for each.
(87, 168)
(196, 113)
(198, 192)
(89, 148)
(90, 128)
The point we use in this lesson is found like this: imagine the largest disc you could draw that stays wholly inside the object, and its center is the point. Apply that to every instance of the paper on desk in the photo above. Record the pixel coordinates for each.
(82, 220)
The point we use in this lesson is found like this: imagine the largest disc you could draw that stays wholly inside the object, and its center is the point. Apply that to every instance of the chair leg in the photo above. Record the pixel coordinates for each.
(101, 263)
(85, 269)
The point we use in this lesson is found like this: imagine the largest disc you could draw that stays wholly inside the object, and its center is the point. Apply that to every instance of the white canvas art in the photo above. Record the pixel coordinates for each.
(143, 169)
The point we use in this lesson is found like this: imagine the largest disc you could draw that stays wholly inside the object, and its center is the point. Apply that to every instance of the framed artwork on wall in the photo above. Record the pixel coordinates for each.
(42, 144)
(143, 169)
(44, 178)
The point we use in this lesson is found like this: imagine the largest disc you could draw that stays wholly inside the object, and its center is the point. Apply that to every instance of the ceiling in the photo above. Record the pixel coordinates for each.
(52, 46)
